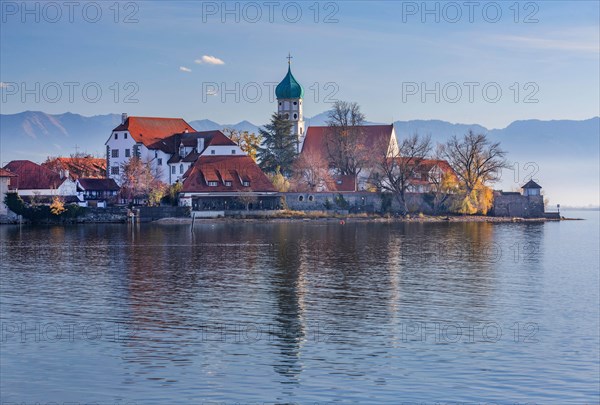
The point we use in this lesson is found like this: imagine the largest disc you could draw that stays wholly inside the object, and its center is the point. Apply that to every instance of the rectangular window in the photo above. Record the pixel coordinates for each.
(116, 136)
(180, 169)
(213, 184)
(114, 170)
(115, 153)
(212, 152)
(125, 135)
(172, 169)
(227, 184)
(159, 162)
(233, 151)
(246, 184)
(127, 152)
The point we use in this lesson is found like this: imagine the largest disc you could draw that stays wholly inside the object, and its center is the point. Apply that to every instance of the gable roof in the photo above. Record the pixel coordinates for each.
(170, 144)
(372, 137)
(97, 184)
(32, 176)
(148, 130)
(234, 168)
(6, 173)
(531, 184)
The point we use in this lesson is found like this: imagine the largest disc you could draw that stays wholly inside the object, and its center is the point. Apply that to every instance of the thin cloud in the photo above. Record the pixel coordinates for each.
(185, 69)
(209, 60)
(551, 44)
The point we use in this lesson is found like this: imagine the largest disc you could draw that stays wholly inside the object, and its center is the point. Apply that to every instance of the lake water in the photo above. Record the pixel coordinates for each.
(301, 312)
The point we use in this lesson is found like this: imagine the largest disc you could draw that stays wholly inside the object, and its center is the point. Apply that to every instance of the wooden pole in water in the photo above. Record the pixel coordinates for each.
(193, 220)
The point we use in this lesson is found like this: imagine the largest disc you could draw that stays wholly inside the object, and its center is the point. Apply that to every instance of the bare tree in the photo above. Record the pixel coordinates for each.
(345, 146)
(311, 173)
(140, 179)
(396, 172)
(475, 160)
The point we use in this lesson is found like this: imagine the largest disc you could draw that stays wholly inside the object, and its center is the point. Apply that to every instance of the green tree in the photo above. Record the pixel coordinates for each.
(279, 147)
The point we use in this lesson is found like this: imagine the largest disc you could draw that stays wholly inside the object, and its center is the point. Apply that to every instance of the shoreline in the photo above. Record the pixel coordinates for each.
(351, 219)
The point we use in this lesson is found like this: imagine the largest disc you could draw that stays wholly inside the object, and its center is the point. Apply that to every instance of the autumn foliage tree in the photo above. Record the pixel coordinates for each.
(140, 180)
(248, 142)
(477, 163)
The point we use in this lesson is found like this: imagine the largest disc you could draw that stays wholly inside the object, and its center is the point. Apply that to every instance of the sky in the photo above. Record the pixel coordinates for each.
(489, 63)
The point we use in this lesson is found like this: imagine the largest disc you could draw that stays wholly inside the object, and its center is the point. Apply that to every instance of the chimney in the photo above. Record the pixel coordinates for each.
(200, 145)
(186, 131)
(123, 118)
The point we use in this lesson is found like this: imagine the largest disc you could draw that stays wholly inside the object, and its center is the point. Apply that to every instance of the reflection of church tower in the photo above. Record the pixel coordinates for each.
(289, 95)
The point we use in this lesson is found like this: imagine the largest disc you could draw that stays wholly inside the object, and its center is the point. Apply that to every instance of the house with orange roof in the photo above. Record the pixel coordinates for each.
(170, 144)
(221, 183)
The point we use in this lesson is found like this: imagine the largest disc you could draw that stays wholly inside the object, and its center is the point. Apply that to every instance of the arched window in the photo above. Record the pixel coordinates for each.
(295, 103)
(181, 169)
(301, 198)
(295, 116)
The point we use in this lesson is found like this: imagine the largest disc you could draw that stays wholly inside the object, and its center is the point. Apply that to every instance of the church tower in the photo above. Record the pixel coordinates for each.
(289, 94)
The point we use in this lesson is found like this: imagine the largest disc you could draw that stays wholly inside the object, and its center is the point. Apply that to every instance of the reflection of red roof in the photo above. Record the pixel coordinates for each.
(372, 138)
(240, 168)
(78, 166)
(32, 176)
(97, 184)
(148, 130)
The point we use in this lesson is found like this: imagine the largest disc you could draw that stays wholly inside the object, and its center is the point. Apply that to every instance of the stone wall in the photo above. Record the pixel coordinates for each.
(148, 214)
(110, 214)
(517, 205)
(357, 202)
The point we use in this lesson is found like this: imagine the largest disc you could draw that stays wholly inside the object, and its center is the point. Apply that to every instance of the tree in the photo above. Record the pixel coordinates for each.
(280, 183)
(395, 172)
(477, 162)
(345, 146)
(58, 205)
(280, 146)
(311, 173)
(248, 142)
(139, 179)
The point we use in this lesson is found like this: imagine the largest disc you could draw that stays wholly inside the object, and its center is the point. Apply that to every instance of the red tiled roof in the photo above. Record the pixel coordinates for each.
(343, 183)
(148, 130)
(372, 137)
(32, 176)
(240, 168)
(96, 184)
(78, 166)
(6, 173)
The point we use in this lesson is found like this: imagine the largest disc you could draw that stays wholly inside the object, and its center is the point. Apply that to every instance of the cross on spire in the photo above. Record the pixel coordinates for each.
(289, 58)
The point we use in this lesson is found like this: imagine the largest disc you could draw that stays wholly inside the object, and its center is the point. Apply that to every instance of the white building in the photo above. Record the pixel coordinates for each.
(5, 178)
(170, 144)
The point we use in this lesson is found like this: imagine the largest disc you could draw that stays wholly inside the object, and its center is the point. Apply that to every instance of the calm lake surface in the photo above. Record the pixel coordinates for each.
(302, 312)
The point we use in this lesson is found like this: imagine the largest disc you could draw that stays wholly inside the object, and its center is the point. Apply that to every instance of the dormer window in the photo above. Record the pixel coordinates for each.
(228, 184)
(246, 183)
(213, 184)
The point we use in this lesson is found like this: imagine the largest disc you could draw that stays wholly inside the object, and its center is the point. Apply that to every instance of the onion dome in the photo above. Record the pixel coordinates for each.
(289, 87)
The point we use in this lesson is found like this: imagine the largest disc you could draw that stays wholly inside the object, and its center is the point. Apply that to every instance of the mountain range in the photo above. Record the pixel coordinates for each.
(564, 153)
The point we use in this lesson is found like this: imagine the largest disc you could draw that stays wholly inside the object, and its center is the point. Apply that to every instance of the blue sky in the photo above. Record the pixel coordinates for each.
(381, 54)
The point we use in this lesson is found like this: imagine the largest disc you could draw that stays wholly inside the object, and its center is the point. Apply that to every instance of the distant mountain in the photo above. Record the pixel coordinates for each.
(565, 153)
(34, 135)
